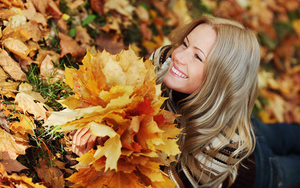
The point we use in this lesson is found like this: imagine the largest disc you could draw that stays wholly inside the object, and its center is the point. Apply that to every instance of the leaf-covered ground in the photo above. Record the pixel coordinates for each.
(39, 38)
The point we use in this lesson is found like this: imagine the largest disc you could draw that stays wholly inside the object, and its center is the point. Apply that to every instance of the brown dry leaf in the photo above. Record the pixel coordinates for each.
(121, 6)
(11, 67)
(41, 6)
(146, 32)
(142, 13)
(15, 180)
(98, 5)
(7, 13)
(62, 25)
(31, 14)
(262, 17)
(230, 9)
(83, 36)
(53, 9)
(112, 25)
(17, 47)
(17, 3)
(8, 159)
(161, 6)
(110, 42)
(286, 50)
(291, 5)
(75, 4)
(4, 122)
(43, 53)
(7, 88)
(36, 33)
(8, 143)
(31, 102)
(69, 45)
(47, 70)
(20, 33)
(25, 64)
(51, 175)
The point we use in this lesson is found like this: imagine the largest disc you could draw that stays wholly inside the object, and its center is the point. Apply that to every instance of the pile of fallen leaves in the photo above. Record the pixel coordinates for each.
(39, 38)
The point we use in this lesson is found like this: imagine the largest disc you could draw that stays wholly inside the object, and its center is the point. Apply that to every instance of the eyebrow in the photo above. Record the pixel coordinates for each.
(196, 47)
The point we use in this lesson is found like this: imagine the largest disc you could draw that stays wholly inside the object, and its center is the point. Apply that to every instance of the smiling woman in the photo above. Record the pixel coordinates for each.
(209, 74)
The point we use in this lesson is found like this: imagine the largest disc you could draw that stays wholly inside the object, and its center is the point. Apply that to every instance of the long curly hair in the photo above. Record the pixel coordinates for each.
(224, 101)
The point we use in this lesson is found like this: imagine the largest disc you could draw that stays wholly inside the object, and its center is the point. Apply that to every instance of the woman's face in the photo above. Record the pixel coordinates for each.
(185, 73)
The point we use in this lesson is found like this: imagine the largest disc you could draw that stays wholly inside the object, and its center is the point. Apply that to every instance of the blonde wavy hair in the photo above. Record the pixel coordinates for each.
(224, 101)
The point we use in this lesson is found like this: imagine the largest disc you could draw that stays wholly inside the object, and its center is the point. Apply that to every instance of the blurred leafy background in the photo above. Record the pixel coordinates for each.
(39, 38)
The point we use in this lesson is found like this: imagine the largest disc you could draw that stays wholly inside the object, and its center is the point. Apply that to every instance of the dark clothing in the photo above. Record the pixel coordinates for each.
(277, 155)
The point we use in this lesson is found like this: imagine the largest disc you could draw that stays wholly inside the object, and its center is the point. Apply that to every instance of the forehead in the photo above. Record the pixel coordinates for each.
(203, 36)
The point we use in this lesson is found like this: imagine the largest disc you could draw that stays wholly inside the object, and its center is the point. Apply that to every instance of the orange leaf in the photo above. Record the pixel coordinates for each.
(26, 125)
(143, 108)
(51, 175)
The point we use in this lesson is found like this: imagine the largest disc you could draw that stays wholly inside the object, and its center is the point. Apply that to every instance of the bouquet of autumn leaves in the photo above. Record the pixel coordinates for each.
(116, 97)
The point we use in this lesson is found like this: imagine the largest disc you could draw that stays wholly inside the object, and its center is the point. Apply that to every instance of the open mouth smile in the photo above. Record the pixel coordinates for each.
(177, 72)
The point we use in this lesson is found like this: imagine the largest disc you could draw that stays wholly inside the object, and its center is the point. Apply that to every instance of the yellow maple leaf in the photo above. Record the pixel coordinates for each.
(111, 150)
(152, 171)
(25, 125)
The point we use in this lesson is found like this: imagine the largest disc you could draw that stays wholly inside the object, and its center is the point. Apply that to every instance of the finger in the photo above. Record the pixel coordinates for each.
(91, 143)
(77, 137)
(82, 144)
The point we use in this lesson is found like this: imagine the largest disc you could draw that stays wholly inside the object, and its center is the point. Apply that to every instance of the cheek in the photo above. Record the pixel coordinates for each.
(197, 76)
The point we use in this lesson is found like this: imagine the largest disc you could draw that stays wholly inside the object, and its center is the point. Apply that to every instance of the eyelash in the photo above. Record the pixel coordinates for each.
(196, 55)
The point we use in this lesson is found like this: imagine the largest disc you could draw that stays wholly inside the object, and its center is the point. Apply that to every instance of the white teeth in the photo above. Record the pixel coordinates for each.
(178, 73)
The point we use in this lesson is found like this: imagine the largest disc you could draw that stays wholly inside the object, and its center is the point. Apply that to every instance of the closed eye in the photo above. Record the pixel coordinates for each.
(197, 57)
(184, 44)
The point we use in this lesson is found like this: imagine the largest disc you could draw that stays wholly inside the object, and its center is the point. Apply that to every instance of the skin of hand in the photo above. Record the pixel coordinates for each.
(83, 141)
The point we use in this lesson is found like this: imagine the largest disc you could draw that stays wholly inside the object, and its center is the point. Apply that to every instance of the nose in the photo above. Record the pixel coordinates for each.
(181, 57)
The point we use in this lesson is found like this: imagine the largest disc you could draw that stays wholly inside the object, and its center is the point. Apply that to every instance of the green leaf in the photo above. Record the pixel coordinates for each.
(88, 19)
(72, 32)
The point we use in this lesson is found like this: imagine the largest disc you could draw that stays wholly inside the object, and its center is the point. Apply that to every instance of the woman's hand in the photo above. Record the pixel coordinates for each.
(83, 141)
